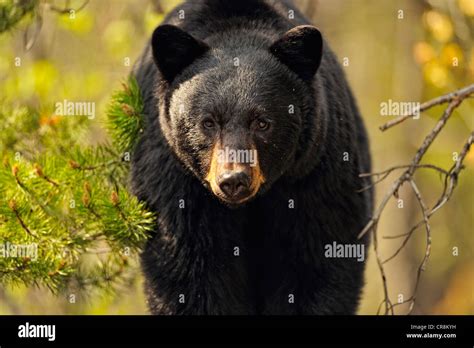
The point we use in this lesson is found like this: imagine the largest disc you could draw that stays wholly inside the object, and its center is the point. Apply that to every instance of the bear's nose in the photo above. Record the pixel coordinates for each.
(234, 185)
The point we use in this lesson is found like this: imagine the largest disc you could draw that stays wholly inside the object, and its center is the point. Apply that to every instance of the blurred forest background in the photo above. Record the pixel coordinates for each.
(399, 50)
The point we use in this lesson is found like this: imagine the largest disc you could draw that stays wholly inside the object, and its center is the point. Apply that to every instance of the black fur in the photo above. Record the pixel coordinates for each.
(281, 249)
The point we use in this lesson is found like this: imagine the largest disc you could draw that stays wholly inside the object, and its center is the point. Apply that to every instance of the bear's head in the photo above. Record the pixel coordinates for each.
(234, 108)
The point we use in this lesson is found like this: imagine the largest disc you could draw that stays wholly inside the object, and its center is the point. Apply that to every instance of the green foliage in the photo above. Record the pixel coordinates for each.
(12, 11)
(68, 202)
(30, 132)
(124, 120)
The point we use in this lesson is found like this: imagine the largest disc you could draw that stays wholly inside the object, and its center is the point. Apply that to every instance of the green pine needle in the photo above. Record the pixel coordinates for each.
(124, 116)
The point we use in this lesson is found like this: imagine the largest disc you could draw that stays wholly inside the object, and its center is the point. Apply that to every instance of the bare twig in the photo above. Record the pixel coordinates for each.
(383, 175)
(29, 41)
(450, 181)
(67, 9)
(386, 301)
(407, 174)
(452, 178)
(422, 266)
(459, 94)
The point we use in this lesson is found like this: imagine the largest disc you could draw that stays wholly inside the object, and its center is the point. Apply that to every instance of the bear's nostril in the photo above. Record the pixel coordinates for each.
(227, 188)
(234, 185)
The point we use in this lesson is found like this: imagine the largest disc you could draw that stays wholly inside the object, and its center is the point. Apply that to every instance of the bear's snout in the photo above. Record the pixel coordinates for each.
(235, 184)
(234, 176)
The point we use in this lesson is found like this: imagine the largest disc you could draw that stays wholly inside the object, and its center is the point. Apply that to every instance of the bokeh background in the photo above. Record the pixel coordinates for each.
(399, 50)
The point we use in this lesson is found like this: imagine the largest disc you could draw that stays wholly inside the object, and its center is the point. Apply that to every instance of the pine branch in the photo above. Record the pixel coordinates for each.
(124, 116)
(65, 202)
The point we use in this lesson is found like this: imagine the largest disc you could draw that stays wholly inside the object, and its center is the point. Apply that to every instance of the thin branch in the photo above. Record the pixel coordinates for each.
(391, 169)
(67, 9)
(450, 181)
(459, 94)
(76, 165)
(415, 162)
(387, 172)
(450, 176)
(422, 266)
(13, 206)
(388, 304)
(454, 174)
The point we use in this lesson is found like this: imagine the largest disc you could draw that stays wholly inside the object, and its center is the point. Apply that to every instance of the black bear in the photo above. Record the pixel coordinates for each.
(250, 157)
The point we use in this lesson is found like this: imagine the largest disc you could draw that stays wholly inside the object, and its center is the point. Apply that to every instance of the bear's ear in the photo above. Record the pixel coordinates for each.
(174, 49)
(301, 49)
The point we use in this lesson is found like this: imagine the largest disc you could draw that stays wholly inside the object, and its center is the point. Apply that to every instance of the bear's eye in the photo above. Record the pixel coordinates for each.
(208, 123)
(262, 125)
